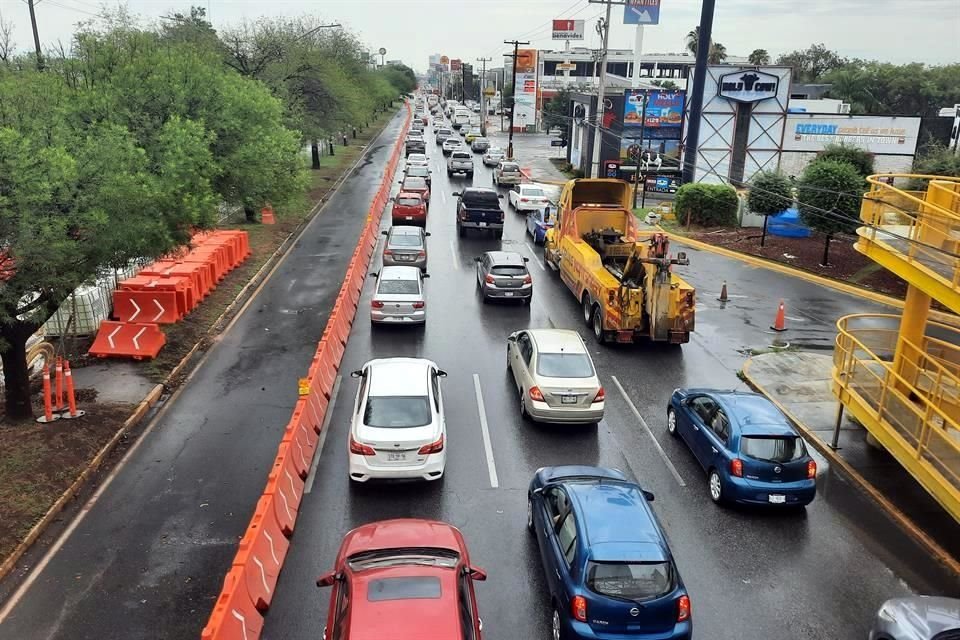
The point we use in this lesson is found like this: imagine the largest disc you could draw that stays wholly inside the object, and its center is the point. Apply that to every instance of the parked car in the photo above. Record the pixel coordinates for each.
(555, 376)
(606, 559)
(503, 275)
(493, 156)
(418, 171)
(416, 185)
(408, 209)
(460, 162)
(479, 145)
(479, 208)
(402, 578)
(450, 144)
(527, 197)
(442, 134)
(538, 221)
(507, 173)
(399, 427)
(918, 618)
(405, 246)
(398, 297)
(750, 451)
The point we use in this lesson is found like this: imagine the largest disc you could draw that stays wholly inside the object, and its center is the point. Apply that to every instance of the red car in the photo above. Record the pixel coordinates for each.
(425, 119)
(409, 208)
(403, 580)
(412, 184)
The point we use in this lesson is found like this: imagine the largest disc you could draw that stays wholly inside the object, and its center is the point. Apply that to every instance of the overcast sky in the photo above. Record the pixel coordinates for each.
(410, 30)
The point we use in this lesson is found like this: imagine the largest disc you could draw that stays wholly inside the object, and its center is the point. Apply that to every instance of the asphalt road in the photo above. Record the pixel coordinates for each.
(752, 575)
(148, 559)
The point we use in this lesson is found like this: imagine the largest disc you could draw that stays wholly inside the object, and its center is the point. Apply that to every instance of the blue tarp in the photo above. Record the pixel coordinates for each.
(788, 225)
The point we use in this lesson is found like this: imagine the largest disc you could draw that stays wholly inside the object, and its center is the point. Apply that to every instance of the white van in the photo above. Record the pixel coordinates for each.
(461, 117)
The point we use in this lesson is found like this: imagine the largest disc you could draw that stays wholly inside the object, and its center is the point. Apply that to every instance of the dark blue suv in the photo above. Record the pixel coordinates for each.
(606, 559)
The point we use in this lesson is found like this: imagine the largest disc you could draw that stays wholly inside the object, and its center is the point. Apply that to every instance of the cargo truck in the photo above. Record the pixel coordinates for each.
(622, 277)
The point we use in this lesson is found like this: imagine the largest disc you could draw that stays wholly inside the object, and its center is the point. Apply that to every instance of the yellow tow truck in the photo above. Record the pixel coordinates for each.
(623, 278)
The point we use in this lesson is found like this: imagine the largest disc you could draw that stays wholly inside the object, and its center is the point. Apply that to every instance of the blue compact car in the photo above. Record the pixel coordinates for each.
(750, 451)
(606, 559)
(538, 221)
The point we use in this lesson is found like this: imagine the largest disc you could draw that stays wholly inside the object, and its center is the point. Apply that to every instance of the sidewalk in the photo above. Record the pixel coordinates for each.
(532, 151)
(800, 382)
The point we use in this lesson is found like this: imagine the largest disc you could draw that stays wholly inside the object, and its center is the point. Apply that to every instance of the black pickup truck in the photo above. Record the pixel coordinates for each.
(479, 208)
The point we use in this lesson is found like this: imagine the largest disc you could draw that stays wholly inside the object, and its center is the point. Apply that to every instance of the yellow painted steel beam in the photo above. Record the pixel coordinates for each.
(932, 284)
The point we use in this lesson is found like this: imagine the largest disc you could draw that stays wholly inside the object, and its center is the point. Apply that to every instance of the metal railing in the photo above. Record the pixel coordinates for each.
(922, 226)
(912, 391)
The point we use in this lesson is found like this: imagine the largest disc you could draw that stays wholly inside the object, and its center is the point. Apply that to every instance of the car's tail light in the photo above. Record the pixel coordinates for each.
(811, 469)
(489, 279)
(388, 252)
(433, 447)
(601, 396)
(528, 279)
(376, 304)
(524, 200)
(736, 467)
(418, 305)
(535, 394)
(501, 216)
(683, 608)
(578, 608)
(360, 449)
(421, 254)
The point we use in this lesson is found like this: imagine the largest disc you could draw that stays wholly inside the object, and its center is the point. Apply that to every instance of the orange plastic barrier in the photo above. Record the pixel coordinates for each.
(183, 287)
(134, 340)
(262, 551)
(158, 307)
(286, 485)
(234, 615)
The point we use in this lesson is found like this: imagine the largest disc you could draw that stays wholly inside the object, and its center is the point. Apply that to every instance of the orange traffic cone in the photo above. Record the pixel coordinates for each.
(266, 215)
(723, 292)
(780, 324)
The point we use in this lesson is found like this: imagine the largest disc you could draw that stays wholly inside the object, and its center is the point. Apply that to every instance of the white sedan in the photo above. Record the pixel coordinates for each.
(554, 376)
(398, 430)
(418, 160)
(527, 197)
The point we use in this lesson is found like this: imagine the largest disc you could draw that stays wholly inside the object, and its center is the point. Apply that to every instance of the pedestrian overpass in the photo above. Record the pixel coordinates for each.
(899, 376)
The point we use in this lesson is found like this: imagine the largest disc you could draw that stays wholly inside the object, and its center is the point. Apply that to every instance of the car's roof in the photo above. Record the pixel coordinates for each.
(557, 340)
(481, 138)
(753, 413)
(399, 376)
(375, 619)
(414, 181)
(402, 532)
(393, 272)
(506, 258)
(616, 521)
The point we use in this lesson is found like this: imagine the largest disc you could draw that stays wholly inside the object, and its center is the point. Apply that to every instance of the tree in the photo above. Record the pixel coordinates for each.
(759, 57)
(555, 111)
(860, 159)
(813, 63)
(935, 160)
(707, 204)
(669, 85)
(883, 88)
(718, 53)
(828, 197)
(769, 195)
(7, 45)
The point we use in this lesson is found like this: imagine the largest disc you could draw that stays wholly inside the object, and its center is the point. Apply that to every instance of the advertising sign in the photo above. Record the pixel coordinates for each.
(568, 29)
(748, 86)
(641, 12)
(455, 64)
(526, 60)
(444, 60)
(877, 134)
(664, 109)
(566, 66)
(668, 152)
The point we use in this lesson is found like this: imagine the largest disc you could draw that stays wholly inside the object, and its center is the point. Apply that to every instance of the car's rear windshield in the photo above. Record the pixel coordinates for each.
(510, 167)
(488, 198)
(484, 140)
(414, 183)
(409, 202)
(773, 449)
(399, 287)
(405, 588)
(630, 580)
(397, 412)
(418, 171)
(564, 365)
(532, 191)
(461, 156)
(509, 271)
(443, 131)
(404, 240)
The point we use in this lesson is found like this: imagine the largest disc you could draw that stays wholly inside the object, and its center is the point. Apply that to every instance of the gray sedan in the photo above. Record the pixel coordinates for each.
(918, 618)
(503, 275)
(405, 246)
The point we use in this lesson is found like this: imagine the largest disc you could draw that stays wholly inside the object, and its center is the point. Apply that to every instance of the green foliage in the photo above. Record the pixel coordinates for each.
(812, 63)
(888, 89)
(935, 160)
(707, 204)
(770, 193)
(829, 195)
(860, 159)
(759, 57)
(669, 85)
(555, 110)
(717, 53)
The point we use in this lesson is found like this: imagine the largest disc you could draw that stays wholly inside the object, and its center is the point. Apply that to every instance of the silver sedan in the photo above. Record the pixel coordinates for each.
(398, 298)
(405, 246)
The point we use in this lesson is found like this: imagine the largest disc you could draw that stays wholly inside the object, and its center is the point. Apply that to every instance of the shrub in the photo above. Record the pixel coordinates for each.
(936, 160)
(829, 197)
(707, 205)
(861, 160)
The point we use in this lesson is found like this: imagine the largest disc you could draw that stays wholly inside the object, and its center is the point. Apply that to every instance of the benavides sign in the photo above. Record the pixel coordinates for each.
(748, 86)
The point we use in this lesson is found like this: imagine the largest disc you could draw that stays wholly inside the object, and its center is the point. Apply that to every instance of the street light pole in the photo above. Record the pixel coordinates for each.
(689, 158)
(597, 132)
(636, 173)
(483, 89)
(513, 100)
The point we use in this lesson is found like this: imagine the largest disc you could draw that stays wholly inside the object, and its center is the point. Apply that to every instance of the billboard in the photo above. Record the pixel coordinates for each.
(751, 85)
(568, 29)
(649, 149)
(641, 12)
(877, 134)
(444, 60)
(525, 88)
(664, 109)
(455, 64)
(526, 60)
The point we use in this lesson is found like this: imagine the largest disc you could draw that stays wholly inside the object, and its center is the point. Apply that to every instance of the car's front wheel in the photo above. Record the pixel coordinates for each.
(671, 422)
(529, 514)
(715, 486)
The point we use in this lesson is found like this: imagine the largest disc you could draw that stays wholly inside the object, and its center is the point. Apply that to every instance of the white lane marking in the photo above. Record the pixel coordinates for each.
(488, 448)
(533, 256)
(443, 196)
(643, 423)
(308, 486)
(453, 252)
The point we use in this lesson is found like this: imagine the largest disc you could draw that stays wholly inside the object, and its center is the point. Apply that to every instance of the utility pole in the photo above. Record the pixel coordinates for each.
(604, 29)
(513, 100)
(483, 99)
(36, 36)
(689, 158)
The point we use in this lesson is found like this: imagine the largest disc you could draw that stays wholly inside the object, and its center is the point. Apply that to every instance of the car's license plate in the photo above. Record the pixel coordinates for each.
(483, 224)
(568, 399)
(776, 498)
(409, 217)
(396, 456)
(508, 294)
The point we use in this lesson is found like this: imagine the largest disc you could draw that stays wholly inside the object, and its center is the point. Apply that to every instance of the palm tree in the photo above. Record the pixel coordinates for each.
(718, 53)
(759, 57)
(693, 40)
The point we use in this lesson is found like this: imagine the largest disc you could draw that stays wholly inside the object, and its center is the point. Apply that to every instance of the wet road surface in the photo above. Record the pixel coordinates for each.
(752, 575)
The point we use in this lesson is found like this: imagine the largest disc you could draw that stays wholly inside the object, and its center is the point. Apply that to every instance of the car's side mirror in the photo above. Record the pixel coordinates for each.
(538, 491)
(511, 338)
(682, 256)
(427, 233)
(425, 275)
(477, 574)
(477, 259)
(500, 196)
(456, 193)
(385, 232)
(356, 374)
(441, 373)
(526, 259)
(327, 579)
(375, 274)
(648, 495)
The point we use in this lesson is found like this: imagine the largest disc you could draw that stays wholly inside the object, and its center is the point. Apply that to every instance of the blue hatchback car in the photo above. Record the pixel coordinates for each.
(750, 451)
(606, 559)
